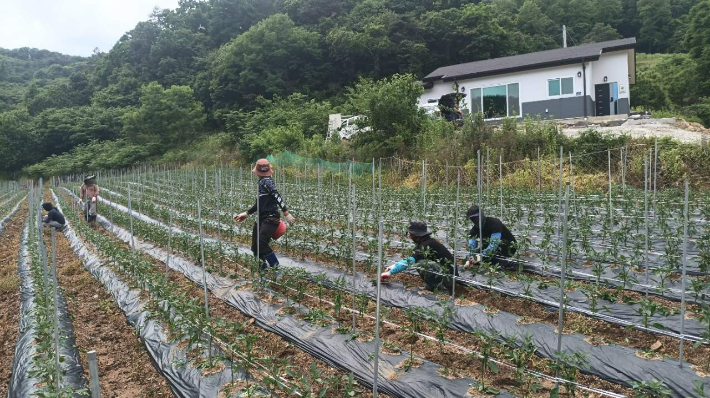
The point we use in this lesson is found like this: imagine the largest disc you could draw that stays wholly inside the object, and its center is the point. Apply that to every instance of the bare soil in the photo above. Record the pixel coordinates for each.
(125, 369)
(602, 332)
(9, 295)
(267, 344)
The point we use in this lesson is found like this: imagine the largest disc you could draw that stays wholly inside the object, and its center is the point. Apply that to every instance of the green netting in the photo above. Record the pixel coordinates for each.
(289, 159)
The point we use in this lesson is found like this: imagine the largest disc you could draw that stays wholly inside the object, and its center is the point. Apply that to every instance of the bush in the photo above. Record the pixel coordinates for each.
(393, 115)
(93, 156)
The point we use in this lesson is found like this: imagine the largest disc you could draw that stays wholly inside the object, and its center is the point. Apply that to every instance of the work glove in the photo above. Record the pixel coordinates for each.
(241, 216)
(289, 218)
(93, 199)
(473, 260)
(385, 275)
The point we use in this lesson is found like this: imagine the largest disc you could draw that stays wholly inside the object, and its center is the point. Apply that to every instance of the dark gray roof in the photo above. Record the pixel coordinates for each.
(541, 59)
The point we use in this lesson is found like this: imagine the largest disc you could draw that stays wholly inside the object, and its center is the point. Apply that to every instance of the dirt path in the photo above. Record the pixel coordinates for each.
(125, 369)
(9, 295)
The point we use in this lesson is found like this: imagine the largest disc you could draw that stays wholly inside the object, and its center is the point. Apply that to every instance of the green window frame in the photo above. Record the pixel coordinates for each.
(560, 86)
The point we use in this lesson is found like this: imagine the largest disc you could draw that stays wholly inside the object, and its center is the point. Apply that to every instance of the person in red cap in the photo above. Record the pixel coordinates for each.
(268, 203)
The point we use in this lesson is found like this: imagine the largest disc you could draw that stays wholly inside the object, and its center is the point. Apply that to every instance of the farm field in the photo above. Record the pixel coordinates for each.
(607, 295)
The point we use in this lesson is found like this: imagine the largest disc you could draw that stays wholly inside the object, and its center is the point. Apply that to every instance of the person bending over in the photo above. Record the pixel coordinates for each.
(434, 260)
(498, 241)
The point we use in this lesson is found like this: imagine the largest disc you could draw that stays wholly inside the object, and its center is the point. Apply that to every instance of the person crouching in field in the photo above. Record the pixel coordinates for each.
(433, 259)
(89, 195)
(54, 219)
(268, 220)
(498, 242)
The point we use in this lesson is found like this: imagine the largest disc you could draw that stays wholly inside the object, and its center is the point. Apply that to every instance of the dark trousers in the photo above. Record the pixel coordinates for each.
(90, 209)
(434, 281)
(266, 231)
(504, 251)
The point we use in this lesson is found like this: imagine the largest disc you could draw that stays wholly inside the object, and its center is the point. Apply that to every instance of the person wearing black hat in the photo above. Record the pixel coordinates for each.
(436, 259)
(55, 218)
(498, 241)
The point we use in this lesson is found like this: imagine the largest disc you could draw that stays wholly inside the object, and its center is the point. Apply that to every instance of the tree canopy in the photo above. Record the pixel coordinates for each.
(211, 66)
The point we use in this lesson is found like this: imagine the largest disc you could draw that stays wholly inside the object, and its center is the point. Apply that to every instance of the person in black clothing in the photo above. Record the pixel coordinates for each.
(435, 259)
(268, 203)
(498, 241)
(54, 219)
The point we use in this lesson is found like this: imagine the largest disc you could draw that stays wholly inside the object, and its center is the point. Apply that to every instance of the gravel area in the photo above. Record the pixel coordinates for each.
(679, 130)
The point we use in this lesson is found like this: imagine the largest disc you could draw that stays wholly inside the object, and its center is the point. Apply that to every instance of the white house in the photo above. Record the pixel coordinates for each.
(580, 81)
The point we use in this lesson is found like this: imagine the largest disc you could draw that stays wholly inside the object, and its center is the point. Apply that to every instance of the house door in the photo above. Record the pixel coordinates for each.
(614, 87)
(602, 99)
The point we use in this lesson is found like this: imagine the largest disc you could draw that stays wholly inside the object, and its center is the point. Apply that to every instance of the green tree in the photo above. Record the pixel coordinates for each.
(656, 26)
(609, 12)
(697, 42)
(392, 115)
(80, 88)
(18, 145)
(647, 93)
(313, 12)
(165, 116)
(274, 57)
(51, 96)
(229, 19)
(538, 28)
(131, 52)
(123, 89)
(366, 37)
(175, 55)
(630, 24)
(279, 124)
(680, 8)
(678, 76)
(601, 32)
(463, 35)
(61, 129)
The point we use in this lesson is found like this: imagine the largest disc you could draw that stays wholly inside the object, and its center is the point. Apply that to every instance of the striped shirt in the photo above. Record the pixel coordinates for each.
(269, 200)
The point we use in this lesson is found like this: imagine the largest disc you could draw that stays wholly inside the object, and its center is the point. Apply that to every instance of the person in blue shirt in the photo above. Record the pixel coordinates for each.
(55, 218)
(498, 241)
(433, 259)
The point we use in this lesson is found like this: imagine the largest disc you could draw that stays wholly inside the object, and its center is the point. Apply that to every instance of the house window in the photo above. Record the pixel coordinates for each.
(560, 86)
(513, 99)
(476, 100)
(496, 102)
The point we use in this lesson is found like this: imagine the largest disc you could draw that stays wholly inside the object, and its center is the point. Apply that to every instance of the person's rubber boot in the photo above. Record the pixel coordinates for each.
(274, 265)
(272, 260)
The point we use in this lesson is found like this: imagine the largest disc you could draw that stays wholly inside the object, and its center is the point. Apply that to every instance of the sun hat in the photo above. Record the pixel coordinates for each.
(418, 228)
(262, 168)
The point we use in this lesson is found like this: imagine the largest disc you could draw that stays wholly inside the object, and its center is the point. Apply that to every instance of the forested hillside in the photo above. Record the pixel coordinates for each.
(259, 76)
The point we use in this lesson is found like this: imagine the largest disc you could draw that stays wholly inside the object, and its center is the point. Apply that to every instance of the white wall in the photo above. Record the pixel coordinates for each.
(615, 67)
(533, 83)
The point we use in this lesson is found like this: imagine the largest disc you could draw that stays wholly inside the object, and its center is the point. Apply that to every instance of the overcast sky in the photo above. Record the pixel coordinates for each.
(73, 27)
